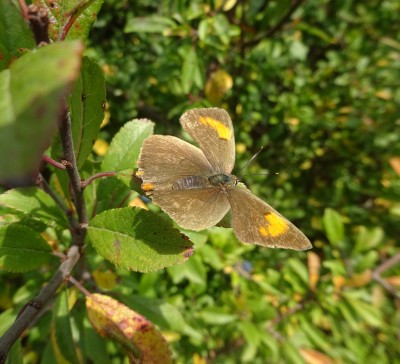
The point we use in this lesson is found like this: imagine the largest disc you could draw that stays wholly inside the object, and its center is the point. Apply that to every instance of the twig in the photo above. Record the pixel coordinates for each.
(34, 307)
(79, 286)
(376, 274)
(72, 169)
(87, 182)
(47, 159)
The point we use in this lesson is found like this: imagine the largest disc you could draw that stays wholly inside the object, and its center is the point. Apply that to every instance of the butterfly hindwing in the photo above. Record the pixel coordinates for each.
(256, 222)
(195, 209)
(212, 129)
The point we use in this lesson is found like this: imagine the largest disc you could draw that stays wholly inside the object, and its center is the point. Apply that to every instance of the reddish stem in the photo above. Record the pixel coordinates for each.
(85, 183)
(54, 163)
(24, 8)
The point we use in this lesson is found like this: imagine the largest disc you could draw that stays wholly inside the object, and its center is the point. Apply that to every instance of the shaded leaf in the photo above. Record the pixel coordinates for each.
(30, 104)
(35, 203)
(161, 313)
(61, 333)
(95, 346)
(111, 193)
(111, 319)
(15, 34)
(150, 24)
(188, 69)
(71, 19)
(22, 249)
(138, 239)
(86, 107)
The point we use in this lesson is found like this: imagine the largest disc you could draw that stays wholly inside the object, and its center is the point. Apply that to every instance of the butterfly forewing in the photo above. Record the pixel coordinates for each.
(254, 221)
(212, 129)
(165, 159)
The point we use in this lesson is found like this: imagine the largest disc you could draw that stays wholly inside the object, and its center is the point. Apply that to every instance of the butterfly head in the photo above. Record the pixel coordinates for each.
(223, 180)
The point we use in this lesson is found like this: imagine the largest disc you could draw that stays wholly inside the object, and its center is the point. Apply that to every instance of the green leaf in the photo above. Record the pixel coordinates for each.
(22, 249)
(291, 354)
(253, 337)
(317, 337)
(87, 109)
(124, 149)
(369, 314)
(161, 313)
(30, 104)
(188, 69)
(150, 24)
(63, 343)
(193, 270)
(334, 227)
(15, 355)
(217, 316)
(71, 19)
(35, 203)
(138, 239)
(95, 347)
(15, 34)
(368, 239)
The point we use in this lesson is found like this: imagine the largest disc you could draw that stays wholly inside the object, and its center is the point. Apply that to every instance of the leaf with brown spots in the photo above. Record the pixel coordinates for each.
(140, 339)
(70, 19)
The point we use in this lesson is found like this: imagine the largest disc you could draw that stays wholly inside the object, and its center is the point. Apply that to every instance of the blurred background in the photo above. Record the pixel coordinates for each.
(317, 84)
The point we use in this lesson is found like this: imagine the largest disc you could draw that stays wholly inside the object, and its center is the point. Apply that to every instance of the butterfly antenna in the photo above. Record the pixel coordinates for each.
(251, 159)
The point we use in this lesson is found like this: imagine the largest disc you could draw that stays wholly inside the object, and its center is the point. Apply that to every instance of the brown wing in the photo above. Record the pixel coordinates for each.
(194, 209)
(212, 130)
(256, 222)
(165, 159)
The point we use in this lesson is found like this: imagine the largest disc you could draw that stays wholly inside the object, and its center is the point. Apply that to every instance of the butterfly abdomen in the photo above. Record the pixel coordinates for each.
(191, 182)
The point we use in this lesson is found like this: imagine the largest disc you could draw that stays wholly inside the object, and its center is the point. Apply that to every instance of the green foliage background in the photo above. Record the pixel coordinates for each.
(316, 84)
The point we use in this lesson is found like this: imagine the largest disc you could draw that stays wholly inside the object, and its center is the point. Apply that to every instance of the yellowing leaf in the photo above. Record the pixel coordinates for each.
(359, 280)
(105, 280)
(100, 147)
(217, 85)
(314, 264)
(384, 94)
(137, 202)
(315, 357)
(393, 280)
(142, 341)
(395, 164)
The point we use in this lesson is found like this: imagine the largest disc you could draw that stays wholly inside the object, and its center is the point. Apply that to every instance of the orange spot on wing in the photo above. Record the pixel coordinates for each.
(147, 187)
(223, 131)
(276, 225)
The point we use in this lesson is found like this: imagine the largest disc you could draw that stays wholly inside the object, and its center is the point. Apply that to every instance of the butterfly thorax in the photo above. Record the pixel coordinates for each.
(216, 180)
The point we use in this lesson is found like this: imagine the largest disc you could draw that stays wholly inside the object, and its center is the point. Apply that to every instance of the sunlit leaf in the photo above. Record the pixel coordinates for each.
(137, 239)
